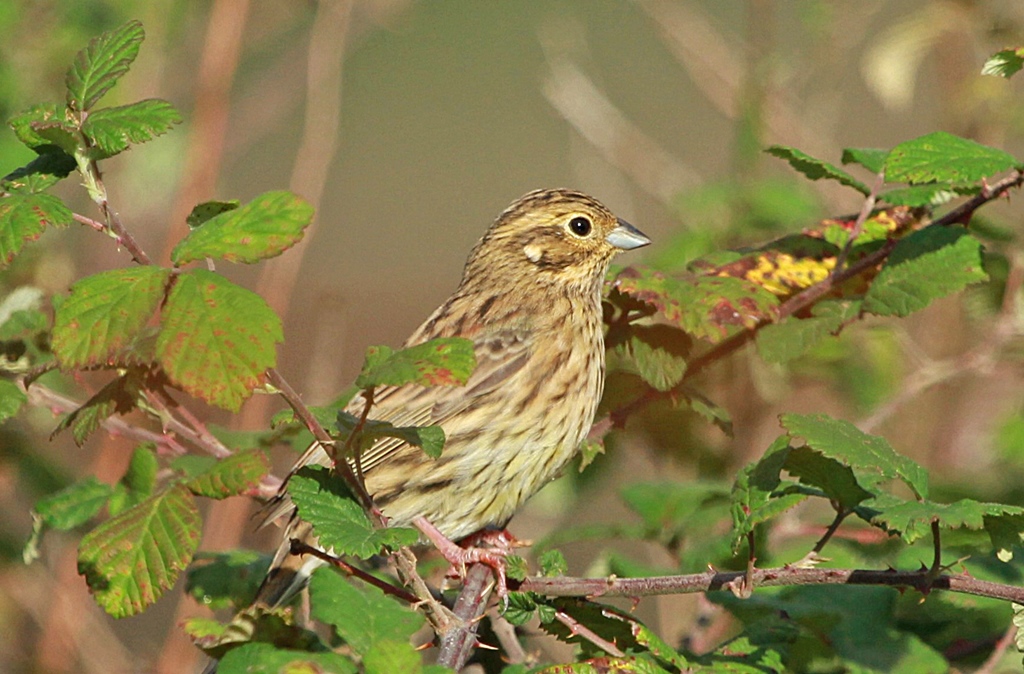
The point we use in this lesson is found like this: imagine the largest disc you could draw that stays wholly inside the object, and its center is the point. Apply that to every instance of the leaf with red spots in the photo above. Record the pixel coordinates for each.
(24, 216)
(446, 361)
(105, 313)
(708, 307)
(216, 338)
(266, 226)
(130, 560)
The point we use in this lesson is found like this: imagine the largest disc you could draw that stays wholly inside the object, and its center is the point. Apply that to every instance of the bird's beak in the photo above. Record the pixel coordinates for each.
(627, 237)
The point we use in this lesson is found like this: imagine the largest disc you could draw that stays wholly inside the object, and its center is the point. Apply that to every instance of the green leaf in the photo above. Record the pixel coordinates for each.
(912, 520)
(920, 195)
(364, 617)
(552, 563)
(217, 339)
(266, 226)
(588, 451)
(62, 135)
(941, 156)
(43, 172)
(520, 607)
(659, 353)
(870, 457)
(445, 361)
(64, 510)
(207, 210)
(119, 396)
(74, 505)
(429, 438)
(516, 567)
(794, 336)
(873, 159)
(24, 123)
(23, 217)
(928, 264)
(11, 399)
(758, 495)
(130, 560)
(816, 169)
(340, 523)
(98, 67)
(837, 481)
(387, 657)
(137, 483)
(666, 506)
(1005, 63)
(707, 307)
(105, 313)
(226, 579)
(260, 658)
(232, 475)
(112, 130)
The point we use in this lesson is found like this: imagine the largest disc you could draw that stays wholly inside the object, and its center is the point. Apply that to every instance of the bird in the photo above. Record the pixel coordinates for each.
(530, 301)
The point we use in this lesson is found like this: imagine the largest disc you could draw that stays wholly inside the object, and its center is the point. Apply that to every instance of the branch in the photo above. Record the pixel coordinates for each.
(959, 215)
(458, 642)
(923, 581)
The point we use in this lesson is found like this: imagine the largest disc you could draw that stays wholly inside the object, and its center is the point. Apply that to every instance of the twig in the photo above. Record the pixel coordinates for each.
(936, 549)
(303, 548)
(95, 224)
(862, 217)
(579, 629)
(505, 632)
(812, 557)
(306, 416)
(457, 643)
(921, 580)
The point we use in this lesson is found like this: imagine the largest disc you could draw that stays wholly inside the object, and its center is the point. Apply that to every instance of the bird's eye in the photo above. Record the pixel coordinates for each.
(580, 226)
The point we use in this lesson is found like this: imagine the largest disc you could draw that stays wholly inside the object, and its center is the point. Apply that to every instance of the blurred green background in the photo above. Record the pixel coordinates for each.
(410, 124)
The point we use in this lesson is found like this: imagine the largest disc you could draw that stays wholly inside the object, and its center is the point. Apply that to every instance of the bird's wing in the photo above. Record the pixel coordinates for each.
(499, 356)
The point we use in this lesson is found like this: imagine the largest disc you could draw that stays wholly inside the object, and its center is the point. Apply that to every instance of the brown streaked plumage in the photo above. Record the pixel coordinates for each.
(530, 299)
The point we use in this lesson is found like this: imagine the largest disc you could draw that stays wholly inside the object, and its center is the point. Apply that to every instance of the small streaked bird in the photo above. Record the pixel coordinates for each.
(530, 300)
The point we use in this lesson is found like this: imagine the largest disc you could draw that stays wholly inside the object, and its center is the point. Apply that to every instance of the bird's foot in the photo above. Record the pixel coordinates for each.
(489, 547)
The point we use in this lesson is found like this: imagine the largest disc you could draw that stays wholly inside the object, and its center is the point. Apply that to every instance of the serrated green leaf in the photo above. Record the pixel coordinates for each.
(445, 361)
(260, 658)
(816, 169)
(22, 123)
(928, 264)
(1005, 63)
(130, 560)
(836, 480)
(364, 616)
(119, 396)
(516, 567)
(138, 481)
(388, 657)
(207, 210)
(920, 195)
(74, 505)
(43, 172)
(340, 523)
(112, 130)
(912, 520)
(231, 476)
(226, 579)
(758, 494)
(429, 438)
(62, 135)
(873, 159)
(266, 226)
(217, 339)
(793, 337)
(11, 399)
(870, 457)
(707, 307)
(519, 608)
(64, 510)
(943, 157)
(23, 217)
(104, 313)
(659, 353)
(98, 67)
(552, 563)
